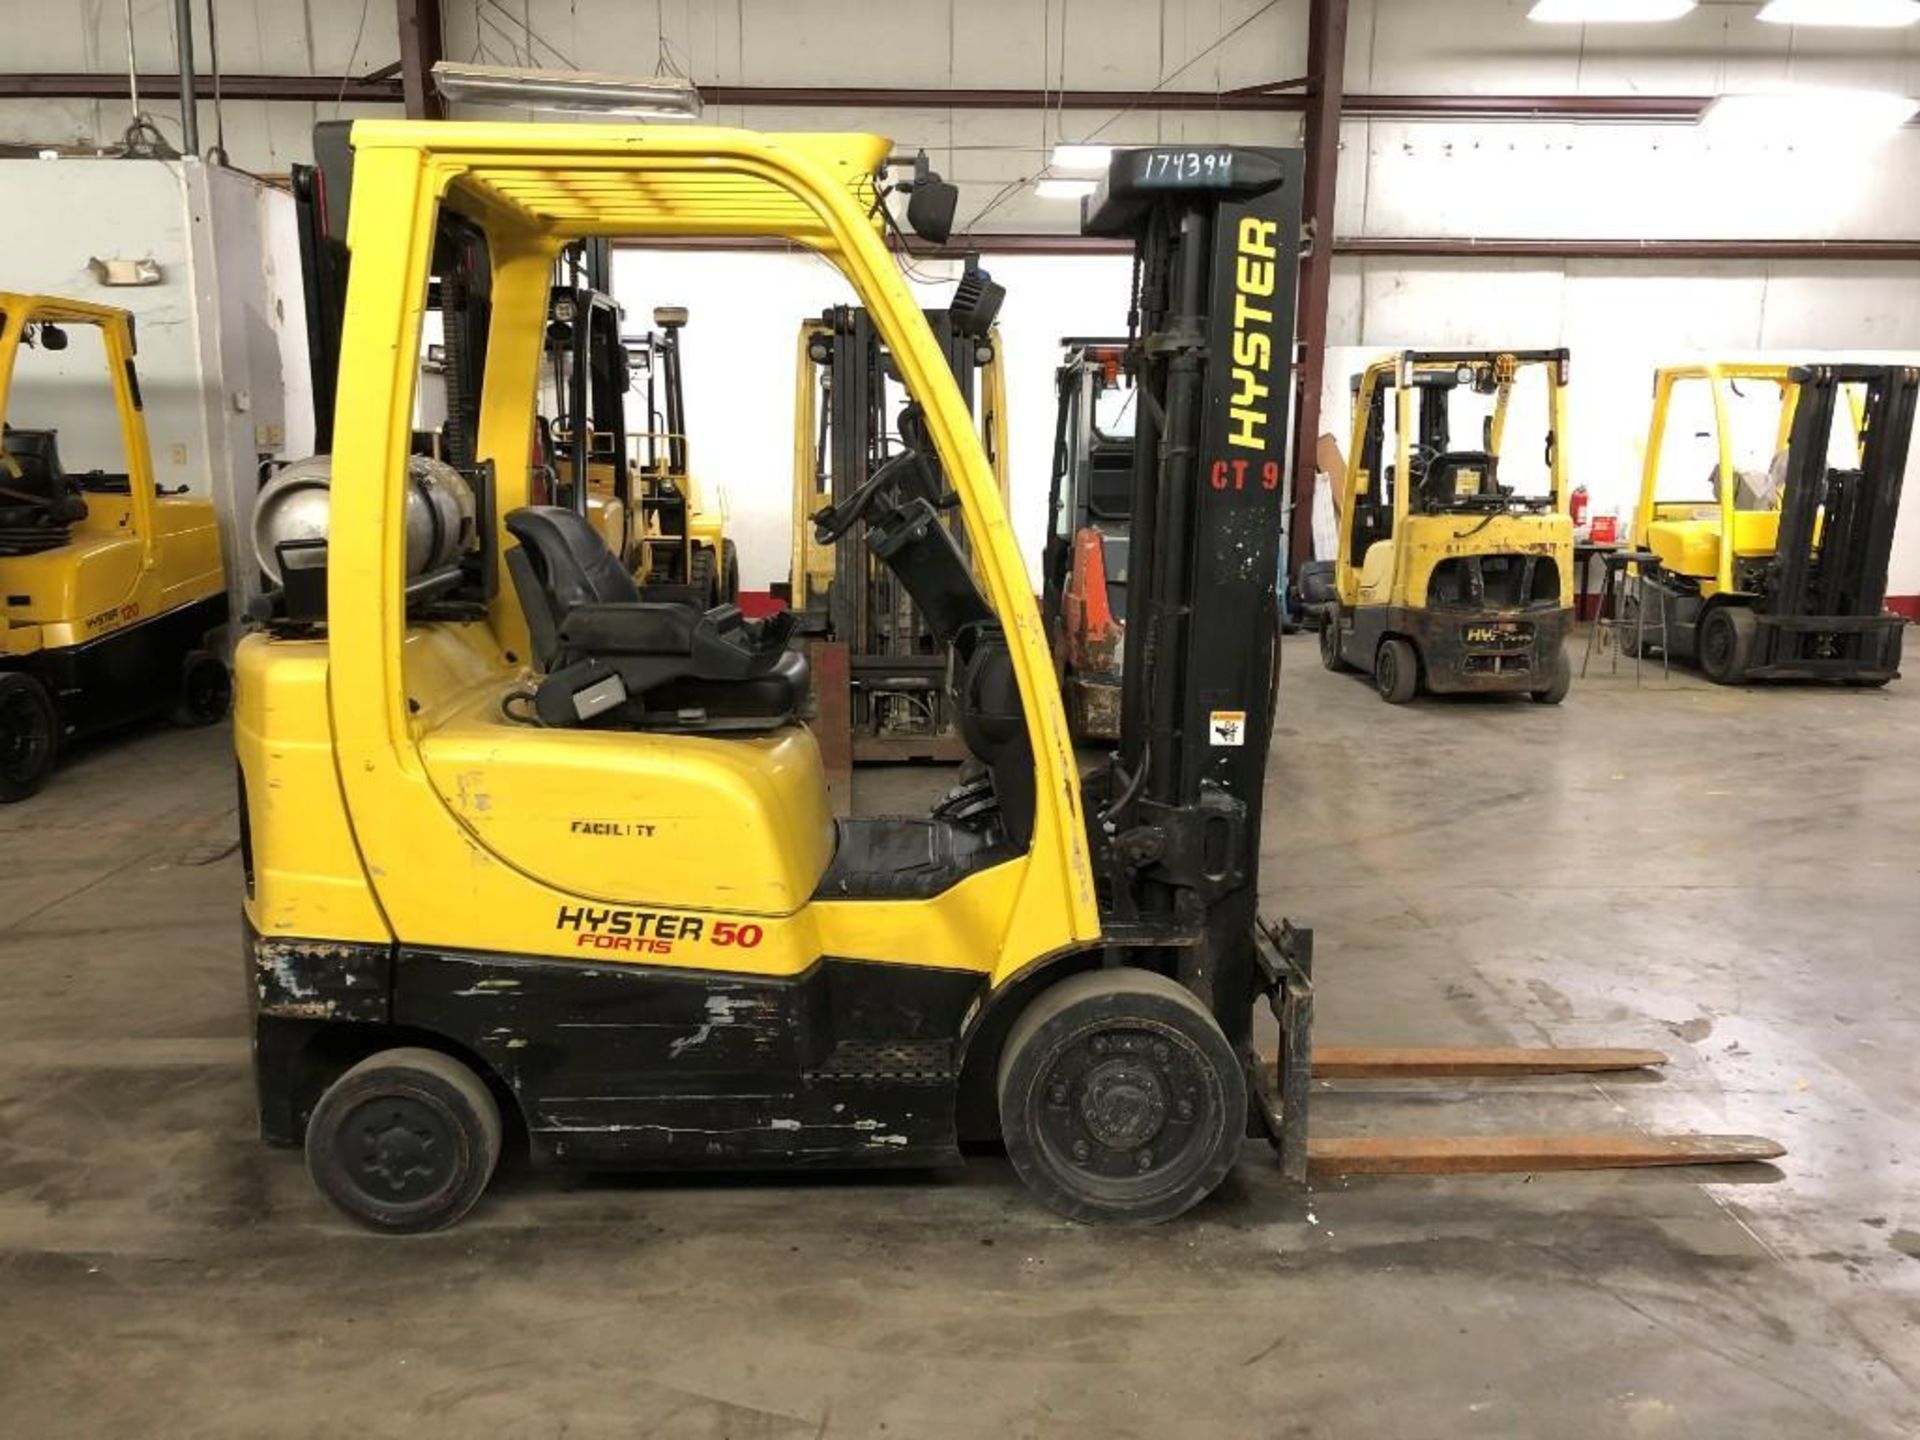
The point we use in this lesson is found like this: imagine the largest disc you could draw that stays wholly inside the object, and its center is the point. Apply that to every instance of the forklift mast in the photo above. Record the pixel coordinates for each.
(1836, 527)
(1216, 236)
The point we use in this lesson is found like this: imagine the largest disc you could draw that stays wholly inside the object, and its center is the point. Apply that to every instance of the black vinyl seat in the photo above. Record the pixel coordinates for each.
(39, 503)
(1456, 476)
(610, 658)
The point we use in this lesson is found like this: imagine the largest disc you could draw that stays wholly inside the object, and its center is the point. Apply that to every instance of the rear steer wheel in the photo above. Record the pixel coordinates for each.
(1120, 1099)
(405, 1141)
(1396, 670)
(206, 690)
(29, 736)
(729, 573)
(1726, 643)
(1555, 690)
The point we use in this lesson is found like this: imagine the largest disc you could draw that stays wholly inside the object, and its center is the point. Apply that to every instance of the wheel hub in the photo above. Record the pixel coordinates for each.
(1123, 1103)
(400, 1149)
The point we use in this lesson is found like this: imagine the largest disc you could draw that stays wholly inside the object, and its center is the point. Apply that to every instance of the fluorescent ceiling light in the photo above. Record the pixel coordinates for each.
(1607, 12)
(1860, 14)
(1081, 157)
(1811, 111)
(572, 92)
(1056, 189)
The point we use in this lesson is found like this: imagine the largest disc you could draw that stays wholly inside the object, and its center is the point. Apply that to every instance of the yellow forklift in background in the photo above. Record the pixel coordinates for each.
(881, 674)
(620, 419)
(1450, 576)
(1778, 571)
(519, 844)
(114, 590)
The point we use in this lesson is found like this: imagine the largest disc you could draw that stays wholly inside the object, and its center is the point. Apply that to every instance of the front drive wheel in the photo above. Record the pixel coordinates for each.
(1120, 1100)
(1396, 670)
(1726, 643)
(405, 1141)
(29, 736)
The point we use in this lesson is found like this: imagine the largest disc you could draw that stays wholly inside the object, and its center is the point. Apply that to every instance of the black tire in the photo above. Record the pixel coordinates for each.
(1120, 1100)
(1726, 643)
(1555, 690)
(729, 574)
(29, 736)
(1396, 670)
(703, 577)
(1627, 635)
(206, 690)
(1330, 641)
(405, 1141)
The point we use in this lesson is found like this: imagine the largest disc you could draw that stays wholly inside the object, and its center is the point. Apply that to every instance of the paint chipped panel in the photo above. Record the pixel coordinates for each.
(321, 980)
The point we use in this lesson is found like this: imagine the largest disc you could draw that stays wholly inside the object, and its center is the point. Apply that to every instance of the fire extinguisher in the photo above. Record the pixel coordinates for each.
(1577, 507)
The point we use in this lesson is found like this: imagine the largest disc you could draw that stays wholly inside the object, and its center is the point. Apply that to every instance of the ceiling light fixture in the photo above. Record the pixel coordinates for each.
(1608, 12)
(1081, 157)
(570, 92)
(1054, 188)
(1810, 111)
(1855, 14)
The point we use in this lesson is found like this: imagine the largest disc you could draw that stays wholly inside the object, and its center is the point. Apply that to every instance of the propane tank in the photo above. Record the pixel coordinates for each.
(442, 519)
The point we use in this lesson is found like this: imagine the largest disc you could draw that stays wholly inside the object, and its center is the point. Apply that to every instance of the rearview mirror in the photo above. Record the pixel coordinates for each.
(932, 203)
(52, 337)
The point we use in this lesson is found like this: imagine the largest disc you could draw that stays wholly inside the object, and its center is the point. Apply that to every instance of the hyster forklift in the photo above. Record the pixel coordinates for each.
(880, 670)
(1089, 510)
(1450, 575)
(1779, 572)
(682, 533)
(640, 494)
(522, 850)
(114, 590)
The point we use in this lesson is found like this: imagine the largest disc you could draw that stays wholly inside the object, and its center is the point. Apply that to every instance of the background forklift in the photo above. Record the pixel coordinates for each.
(682, 536)
(1780, 572)
(1089, 510)
(881, 674)
(1448, 576)
(539, 850)
(114, 591)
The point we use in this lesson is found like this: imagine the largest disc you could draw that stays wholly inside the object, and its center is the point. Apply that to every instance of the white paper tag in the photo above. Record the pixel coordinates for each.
(1227, 727)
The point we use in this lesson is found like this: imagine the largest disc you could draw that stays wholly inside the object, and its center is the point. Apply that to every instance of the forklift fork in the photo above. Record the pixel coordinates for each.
(1281, 1086)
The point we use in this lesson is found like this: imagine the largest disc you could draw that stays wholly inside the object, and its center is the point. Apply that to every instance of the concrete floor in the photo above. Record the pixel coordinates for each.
(1734, 876)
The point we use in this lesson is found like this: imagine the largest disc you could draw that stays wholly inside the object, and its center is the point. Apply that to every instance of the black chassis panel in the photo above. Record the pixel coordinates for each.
(625, 1067)
(1437, 636)
(128, 675)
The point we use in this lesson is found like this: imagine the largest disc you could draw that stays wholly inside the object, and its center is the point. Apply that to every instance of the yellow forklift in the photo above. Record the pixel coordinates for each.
(521, 848)
(880, 671)
(1451, 576)
(1779, 570)
(114, 590)
(682, 535)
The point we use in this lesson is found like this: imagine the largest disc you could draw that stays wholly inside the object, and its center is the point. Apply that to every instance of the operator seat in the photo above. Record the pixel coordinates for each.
(39, 505)
(610, 659)
(1457, 475)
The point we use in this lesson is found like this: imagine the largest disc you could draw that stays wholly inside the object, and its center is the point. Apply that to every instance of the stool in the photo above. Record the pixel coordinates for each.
(1606, 616)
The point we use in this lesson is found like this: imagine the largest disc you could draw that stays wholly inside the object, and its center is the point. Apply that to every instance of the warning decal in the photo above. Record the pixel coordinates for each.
(1227, 727)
